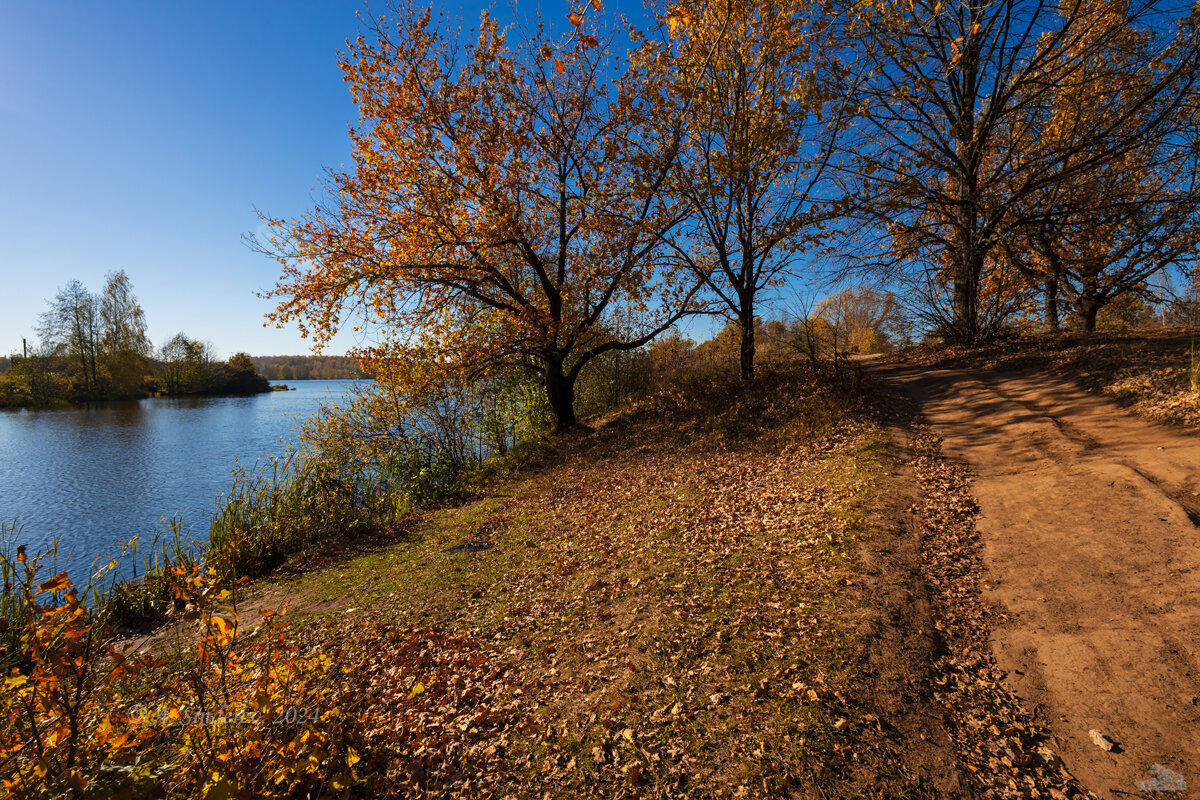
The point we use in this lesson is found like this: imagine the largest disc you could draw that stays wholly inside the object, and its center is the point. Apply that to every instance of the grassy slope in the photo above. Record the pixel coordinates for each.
(670, 604)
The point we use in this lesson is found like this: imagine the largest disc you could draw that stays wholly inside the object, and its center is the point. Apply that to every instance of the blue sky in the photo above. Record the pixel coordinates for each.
(141, 135)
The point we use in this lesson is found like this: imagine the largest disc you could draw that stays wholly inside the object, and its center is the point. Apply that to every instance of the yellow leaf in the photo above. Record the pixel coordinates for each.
(222, 626)
(103, 731)
(218, 788)
(58, 583)
(416, 690)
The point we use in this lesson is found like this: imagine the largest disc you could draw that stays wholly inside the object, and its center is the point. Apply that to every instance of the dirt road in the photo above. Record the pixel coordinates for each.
(1089, 528)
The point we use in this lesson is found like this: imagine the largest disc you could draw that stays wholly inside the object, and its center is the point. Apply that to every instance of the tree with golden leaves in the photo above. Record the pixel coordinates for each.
(942, 160)
(754, 79)
(505, 207)
(1116, 226)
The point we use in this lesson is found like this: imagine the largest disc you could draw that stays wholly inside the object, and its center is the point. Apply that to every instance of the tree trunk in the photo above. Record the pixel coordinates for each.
(1051, 305)
(968, 266)
(560, 391)
(1088, 309)
(747, 349)
(966, 313)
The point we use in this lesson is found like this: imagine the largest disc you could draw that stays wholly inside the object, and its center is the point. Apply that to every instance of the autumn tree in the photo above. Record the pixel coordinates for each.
(32, 375)
(1184, 309)
(70, 328)
(123, 344)
(941, 157)
(1107, 231)
(505, 207)
(239, 376)
(753, 78)
(862, 319)
(172, 359)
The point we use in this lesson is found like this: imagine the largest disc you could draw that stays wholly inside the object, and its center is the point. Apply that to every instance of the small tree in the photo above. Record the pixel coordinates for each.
(241, 377)
(171, 359)
(186, 365)
(123, 343)
(863, 320)
(755, 80)
(198, 361)
(71, 329)
(33, 377)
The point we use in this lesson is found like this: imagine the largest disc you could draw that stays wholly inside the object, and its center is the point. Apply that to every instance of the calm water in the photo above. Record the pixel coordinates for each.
(90, 476)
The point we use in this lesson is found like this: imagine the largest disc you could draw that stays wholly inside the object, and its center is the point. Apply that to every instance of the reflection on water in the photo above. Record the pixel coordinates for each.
(92, 475)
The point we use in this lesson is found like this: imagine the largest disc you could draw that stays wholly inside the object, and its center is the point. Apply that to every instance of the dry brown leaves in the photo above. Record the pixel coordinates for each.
(650, 616)
(662, 614)
(669, 614)
(999, 742)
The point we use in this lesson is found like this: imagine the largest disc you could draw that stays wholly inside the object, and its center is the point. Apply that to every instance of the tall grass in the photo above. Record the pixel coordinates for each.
(14, 614)
(279, 508)
(286, 505)
(1193, 369)
(142, 597)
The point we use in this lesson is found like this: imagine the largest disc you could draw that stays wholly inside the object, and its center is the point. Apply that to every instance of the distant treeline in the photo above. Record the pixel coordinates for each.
(94, 347)
(301, 368)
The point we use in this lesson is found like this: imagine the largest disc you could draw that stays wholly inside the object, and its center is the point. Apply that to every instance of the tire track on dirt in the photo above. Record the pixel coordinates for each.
(1090, 549)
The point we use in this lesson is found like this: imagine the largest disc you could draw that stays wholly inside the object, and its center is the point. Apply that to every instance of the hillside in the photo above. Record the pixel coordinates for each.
(690, 599)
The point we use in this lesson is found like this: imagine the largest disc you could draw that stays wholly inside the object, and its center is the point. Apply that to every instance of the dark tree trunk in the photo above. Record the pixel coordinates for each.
(967, 256)
(966, 305)
(747, 348)
(1051, 305)
(560, 391)
(1045, 242)
(970, 258)
(1088, 309)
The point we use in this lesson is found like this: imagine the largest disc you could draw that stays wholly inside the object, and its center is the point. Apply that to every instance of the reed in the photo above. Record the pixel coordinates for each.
(14, 614)
(1193, 369)
(140, 599)
(285, 506)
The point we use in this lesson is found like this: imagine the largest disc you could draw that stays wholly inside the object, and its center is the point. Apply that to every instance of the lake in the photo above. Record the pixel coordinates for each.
(92, 475)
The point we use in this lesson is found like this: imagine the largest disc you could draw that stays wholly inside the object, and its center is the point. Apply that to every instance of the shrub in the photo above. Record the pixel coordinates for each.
(238, 714)
(287, 504)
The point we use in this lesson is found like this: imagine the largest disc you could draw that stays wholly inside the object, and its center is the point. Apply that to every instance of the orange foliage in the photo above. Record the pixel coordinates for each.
(505, 205)
(757, 80)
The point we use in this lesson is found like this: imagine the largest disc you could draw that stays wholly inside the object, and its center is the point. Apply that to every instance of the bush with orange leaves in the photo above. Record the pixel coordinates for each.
(238, 714)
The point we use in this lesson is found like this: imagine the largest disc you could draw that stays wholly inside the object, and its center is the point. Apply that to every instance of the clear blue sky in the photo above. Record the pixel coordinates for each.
(141, 135)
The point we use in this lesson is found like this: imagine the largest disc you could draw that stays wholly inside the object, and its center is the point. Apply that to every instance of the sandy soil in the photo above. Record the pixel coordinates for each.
(1089, 526)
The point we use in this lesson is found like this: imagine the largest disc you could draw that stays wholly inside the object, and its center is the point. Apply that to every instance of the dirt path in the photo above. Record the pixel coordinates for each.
(1089, 527)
